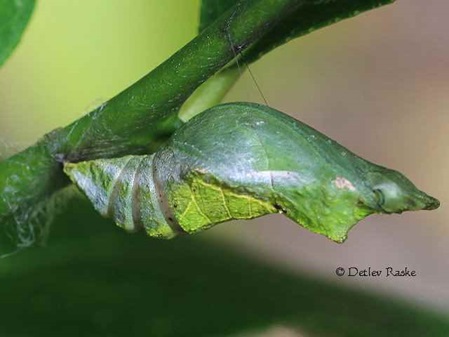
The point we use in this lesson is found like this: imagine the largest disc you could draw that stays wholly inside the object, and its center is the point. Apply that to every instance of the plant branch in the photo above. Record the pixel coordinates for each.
(143, 116)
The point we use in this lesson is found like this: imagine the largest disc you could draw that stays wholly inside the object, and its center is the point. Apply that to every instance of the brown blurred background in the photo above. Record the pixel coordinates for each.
(376, 83)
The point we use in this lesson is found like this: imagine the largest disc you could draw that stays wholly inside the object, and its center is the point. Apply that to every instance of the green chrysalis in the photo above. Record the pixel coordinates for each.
(241, 161)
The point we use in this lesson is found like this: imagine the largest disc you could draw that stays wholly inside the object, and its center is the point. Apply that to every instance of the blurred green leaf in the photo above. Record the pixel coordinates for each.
(211, 10)
(91, 281)
(14, 16)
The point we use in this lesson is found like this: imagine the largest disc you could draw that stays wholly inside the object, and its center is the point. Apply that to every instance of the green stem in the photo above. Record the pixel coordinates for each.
(138, 118)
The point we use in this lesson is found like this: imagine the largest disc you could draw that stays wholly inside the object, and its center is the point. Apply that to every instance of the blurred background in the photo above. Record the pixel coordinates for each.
(376, 83)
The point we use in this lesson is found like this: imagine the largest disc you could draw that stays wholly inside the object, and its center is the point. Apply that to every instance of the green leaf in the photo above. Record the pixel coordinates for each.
(91, 281)
(14, 16)
(241, 161)
(211, 11)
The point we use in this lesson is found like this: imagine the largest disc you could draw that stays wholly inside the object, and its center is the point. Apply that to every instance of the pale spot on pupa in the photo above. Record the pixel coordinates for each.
(201, 170)
(342, 183)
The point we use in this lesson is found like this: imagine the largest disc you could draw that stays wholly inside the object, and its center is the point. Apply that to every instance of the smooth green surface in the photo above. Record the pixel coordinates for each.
(14, 16)
(242, 161)
(264, 155)
(94, 281)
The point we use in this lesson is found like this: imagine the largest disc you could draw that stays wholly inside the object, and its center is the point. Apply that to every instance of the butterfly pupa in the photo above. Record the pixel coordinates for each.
(241, 161)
